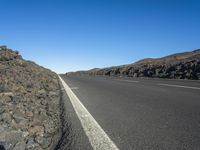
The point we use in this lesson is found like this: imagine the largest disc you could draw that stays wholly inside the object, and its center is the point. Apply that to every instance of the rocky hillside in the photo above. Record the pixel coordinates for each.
(177, 66)
(29, 104)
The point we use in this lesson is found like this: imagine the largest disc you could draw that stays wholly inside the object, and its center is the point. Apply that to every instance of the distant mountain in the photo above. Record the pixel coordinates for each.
(177, 66)
(174, 58)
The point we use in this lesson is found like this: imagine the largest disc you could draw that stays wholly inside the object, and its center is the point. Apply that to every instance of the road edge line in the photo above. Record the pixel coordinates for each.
(99, 140)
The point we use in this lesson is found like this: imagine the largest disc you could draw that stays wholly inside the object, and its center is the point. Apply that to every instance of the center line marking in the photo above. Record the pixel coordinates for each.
(99, 140)
(74, 88)
(126, 80)
(180, 86)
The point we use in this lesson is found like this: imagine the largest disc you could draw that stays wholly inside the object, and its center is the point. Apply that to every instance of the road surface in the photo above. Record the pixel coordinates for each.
(142, 114)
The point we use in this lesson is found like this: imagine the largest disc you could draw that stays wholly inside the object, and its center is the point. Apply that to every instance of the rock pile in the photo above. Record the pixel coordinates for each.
(177, 66)
(29, 104)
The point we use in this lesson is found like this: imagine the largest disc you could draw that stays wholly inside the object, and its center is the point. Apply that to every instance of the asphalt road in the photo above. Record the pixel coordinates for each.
(143, 114)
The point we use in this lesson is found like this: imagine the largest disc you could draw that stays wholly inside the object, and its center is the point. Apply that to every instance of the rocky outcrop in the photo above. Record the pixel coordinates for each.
(29, 104)
(178, 66)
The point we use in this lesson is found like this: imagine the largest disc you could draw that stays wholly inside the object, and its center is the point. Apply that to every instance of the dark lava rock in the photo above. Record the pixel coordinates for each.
(2, 147)
(29, 104)
(177, 66)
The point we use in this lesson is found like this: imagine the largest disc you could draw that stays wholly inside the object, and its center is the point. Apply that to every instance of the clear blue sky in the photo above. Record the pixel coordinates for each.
(69, 35)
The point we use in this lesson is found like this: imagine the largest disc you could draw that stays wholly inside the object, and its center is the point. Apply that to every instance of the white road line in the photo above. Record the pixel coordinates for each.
(180, 86)
(126, 80)
(98, 138)
(74, 88)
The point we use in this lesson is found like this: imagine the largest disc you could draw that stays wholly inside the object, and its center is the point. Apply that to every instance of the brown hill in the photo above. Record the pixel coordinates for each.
(177, 66)
(171, 58)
